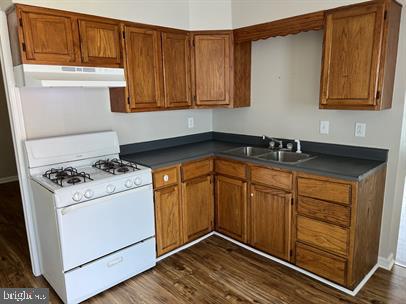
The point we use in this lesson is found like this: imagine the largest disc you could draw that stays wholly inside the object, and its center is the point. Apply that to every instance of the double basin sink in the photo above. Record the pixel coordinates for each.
(280, 156)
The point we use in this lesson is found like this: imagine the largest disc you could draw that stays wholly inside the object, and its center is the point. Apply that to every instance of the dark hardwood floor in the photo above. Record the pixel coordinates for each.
(213, 271)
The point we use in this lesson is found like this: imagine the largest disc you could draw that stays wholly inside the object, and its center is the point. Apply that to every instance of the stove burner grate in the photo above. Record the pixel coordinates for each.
(115, 166)
(69, 174)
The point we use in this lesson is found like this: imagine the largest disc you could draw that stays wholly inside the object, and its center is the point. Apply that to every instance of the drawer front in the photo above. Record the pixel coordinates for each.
(197, 168)
(321, 263)
(325, 190)
(230, 168)
(322, 235)
(165, 177)
(94, 277)
(329, 212)
(270, 177)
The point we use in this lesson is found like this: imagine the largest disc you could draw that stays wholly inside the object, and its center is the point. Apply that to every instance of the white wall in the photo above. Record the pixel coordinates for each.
(49, 112)
(285, 96)
(210, 14)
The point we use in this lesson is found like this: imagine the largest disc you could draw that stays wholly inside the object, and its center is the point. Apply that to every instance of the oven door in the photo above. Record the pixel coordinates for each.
(98, 227)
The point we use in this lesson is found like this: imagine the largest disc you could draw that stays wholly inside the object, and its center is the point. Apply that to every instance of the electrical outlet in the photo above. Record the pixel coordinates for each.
(190, 123)
(324, 127)
(360, 129)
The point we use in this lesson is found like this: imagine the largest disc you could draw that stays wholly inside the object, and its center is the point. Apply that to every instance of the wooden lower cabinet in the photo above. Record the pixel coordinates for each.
(231, 207)
(198, 208)
(168, 219)
(270, 220)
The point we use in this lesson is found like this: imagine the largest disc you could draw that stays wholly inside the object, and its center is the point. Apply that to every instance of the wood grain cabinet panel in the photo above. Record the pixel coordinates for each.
(321, 263)
(231, 168)
(325, 190)
(271, 177)
(270, 220)
(356, 41)
(231, 207)
(165, 177)
(143, 68)
(322, 235)
(168, 219)
(198, 207)
(212, 69)
(48, 38)
(197, 168)
(176, 70)
(325, 211)
(100, 43)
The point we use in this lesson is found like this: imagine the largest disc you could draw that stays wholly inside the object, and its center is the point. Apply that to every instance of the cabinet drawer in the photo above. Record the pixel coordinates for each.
(165, 177)
(329, 212)
(322, 235)
(270, 177)
(197, 168)
(321, 263)
(324, 190)
(231, 168)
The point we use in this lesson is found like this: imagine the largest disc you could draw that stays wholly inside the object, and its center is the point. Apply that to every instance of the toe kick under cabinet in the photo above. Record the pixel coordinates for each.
(324, 225)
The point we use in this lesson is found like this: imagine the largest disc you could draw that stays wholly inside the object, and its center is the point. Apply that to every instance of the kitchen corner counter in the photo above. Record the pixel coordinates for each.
(349, 168)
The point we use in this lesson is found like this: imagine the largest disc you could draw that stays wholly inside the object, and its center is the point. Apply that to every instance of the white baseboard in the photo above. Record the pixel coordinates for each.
(386, 263)
(9, 179)
(294, 267)
(184, 246)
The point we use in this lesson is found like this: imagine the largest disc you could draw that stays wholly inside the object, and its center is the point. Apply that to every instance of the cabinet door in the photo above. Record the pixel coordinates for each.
(212, 69)
(231, 207)
(197, 207)
(352, 48)
(270, 220)
(49, 38)
(168, 219)
(100, 43)
(176, 69)
(143, 68)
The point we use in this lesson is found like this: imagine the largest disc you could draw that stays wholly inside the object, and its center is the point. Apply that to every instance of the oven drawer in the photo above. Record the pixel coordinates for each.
(98, 227)
(90, 279)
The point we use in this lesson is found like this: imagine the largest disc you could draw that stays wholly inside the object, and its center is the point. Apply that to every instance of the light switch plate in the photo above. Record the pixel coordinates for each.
(324, 126)
(360, 129)
(190, 123)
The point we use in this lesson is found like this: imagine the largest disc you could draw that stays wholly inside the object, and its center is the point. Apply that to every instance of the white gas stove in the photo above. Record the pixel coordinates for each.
(94, 213)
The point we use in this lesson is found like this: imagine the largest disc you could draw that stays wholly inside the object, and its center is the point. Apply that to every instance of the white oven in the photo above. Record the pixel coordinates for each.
(98, 227)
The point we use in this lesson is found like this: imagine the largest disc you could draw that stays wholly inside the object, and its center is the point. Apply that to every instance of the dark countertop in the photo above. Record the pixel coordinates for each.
(327, 165)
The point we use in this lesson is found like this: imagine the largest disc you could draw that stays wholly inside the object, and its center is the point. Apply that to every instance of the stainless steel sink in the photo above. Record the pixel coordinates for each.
(248, 151)
(285, 156)
(281, 156)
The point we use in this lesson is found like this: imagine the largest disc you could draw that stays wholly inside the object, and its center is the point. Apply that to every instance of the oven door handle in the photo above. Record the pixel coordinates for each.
(99, 200)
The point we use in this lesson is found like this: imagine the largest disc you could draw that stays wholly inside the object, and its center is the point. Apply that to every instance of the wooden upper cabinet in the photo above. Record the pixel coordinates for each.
(176, 69)
(47, 37)
(270, 220)
(212, 69)
(100, 43)
(143, 68)
(360, 46)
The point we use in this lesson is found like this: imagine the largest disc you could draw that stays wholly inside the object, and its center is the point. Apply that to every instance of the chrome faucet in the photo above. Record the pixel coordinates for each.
(272, 142)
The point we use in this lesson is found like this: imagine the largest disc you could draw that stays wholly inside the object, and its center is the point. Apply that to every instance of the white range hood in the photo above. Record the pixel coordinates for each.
(38, 75)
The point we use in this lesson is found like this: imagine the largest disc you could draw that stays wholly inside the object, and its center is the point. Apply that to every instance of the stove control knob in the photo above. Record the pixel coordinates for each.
(138, 181)
(128, 183)
(89, 193)
(77, 196)
(110, 188)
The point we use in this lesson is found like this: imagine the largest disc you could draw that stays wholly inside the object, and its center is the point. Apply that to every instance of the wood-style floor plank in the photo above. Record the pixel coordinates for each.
(213, 271)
